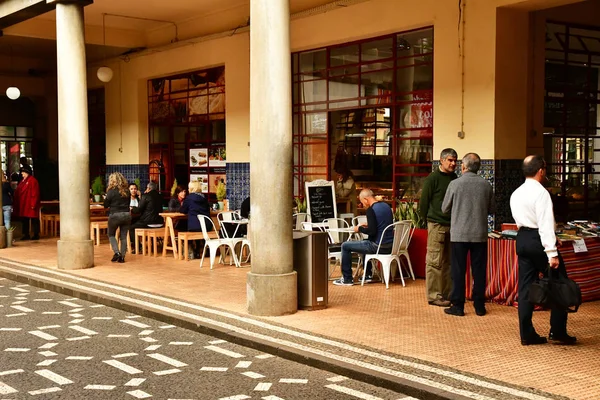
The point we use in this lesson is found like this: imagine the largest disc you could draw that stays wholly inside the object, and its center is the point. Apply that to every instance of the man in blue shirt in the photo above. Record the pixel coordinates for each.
(379, 216)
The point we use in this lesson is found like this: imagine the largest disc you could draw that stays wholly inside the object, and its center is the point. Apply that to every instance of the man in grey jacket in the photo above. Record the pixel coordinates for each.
(470, 200)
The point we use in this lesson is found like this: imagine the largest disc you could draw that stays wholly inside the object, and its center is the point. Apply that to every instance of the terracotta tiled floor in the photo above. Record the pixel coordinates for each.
(397, 320)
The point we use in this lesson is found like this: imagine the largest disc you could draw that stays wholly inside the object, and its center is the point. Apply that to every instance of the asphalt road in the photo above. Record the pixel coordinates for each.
(55, 347)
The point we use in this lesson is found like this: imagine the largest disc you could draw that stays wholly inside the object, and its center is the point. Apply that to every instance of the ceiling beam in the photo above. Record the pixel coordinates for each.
(13, 12)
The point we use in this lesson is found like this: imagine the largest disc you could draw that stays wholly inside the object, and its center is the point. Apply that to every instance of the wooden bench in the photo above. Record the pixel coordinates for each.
(152, 236)
(95, 230)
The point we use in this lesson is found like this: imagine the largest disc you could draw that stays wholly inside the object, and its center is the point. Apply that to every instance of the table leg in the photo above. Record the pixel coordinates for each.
(172, 229)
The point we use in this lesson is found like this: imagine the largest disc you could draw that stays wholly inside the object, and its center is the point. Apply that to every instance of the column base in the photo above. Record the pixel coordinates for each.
(272, 295)
(75, 254)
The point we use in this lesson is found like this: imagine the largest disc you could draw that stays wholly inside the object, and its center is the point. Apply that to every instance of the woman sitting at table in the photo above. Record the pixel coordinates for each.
(175, 204)
(134, 200)
(117, 201)
(345, 189)
(193, 205)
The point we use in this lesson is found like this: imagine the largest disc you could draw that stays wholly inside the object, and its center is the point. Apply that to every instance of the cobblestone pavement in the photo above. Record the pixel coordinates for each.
(55, 347)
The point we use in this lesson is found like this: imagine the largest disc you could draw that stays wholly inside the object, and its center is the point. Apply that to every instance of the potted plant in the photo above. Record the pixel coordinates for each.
(97, 188)
(221, 194)
(300, 204)
(138, 183)
(9, 236)
(417, 250)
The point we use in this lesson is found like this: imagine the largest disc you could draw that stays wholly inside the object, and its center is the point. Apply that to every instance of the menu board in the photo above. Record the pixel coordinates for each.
(320, 204)
(217, 156)
(203, 179)
(198, 157)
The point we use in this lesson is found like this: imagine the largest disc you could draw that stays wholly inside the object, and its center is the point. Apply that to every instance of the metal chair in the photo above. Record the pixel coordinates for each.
(214, 244)
(299, 219)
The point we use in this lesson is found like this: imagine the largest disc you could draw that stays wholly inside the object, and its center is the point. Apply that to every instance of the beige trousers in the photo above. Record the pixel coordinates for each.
(437, 276)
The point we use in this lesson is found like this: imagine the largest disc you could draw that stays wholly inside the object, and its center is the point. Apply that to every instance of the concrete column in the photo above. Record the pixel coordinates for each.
(271, 284)
(75, 249)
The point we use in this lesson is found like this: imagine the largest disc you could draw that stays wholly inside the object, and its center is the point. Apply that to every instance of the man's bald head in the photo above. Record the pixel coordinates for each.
(532, 164)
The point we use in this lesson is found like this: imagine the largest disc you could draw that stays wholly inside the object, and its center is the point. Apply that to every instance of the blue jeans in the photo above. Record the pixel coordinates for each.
(7, 210)
(359, 246)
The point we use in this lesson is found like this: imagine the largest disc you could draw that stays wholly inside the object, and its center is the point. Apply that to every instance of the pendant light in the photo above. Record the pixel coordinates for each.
(12, 92)
(105, 74)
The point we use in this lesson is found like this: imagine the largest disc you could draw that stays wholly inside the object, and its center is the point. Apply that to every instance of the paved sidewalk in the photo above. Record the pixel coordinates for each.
(393, 330)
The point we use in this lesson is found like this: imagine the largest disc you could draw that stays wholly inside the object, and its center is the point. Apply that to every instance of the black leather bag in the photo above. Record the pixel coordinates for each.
(559, 293)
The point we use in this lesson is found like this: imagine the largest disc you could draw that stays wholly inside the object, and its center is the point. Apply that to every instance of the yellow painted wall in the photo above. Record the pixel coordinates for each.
(127, 104)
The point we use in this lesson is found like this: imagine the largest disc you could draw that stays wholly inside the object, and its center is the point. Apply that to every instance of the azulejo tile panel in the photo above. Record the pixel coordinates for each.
(130, 172)
(238, 183)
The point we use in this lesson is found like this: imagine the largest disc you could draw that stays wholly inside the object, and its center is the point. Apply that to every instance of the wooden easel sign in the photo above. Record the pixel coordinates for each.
(320, 200)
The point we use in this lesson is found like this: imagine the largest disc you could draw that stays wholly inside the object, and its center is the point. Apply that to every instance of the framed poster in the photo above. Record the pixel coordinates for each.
(203, 179)
(217, 156)
(198, 157)
(320, 200)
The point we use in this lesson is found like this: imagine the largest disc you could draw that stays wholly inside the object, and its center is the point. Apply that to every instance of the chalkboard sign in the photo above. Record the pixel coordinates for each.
(320, 204)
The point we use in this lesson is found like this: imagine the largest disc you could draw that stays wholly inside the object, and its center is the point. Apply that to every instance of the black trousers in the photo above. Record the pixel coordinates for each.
(35, 225)
(533, 261)
(458, 269)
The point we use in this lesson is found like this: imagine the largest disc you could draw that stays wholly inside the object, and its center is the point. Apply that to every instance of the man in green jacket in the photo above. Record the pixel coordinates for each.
(437, 276)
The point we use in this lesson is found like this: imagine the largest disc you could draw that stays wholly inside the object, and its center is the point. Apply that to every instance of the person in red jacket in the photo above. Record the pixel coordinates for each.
(26, 204)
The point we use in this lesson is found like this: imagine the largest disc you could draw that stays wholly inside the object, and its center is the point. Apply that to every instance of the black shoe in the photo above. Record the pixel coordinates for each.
(534, 340)
(133, 251)
(455, 310)
(116, 257)
(121, 259)
(35, 237)
(565, 338)
(481, 311)
(26, 237)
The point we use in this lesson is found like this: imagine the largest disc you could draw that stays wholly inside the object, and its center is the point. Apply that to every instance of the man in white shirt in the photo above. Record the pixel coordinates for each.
(531, 209)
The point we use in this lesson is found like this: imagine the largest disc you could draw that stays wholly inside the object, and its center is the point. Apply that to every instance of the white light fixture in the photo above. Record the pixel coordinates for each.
(13, 93)
(105, 74)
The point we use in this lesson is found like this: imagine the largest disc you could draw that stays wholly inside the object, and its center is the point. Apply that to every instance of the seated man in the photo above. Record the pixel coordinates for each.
(379, 216)
(149, 207)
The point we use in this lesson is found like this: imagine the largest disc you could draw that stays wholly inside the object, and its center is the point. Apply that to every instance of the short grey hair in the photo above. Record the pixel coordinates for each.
(152, 185)
(449, 152)
(365, 194)
(472, 162)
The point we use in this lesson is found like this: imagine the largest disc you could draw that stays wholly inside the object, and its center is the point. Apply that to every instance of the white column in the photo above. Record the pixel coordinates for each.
(271, 284)
(75, 249)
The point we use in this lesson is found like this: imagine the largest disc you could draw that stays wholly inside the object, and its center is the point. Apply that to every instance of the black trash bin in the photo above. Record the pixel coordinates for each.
(310, 263)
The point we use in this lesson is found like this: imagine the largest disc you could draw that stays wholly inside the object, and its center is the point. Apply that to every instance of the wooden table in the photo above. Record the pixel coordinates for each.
(170, 231)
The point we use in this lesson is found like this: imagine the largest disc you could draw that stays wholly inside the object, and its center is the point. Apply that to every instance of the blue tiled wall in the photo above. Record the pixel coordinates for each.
(238, 183)
(131, 172)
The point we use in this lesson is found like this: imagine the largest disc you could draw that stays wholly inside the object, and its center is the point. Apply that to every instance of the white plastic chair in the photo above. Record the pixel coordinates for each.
(360, 220)
(402, 234)
(299, 219)
(224, 217)
(334, 238)
(214, 244)
(246, 243)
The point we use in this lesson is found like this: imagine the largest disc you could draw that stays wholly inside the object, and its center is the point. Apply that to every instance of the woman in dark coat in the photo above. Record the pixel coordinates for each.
(27, 203)
(175, 204)
(117, 200)
(196, 204)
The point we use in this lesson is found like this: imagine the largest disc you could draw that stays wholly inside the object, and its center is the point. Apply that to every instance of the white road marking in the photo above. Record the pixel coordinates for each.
(338, 378)
(123, 367)
(167, 372)
(17, 349)
(146, 332)
(54, 377)
(119, 336)
(76, 321)
(76, 315)
(83, 330)
(97, 306)
(41, 328)
(5, 389)
(139, 394)
(23, 309)
(264, 356)
(76, 310)
(236, 397)
(52, 312)
(48, 346)
(11, 372)
(214, 369)
(272, 398)
(290, 380)
(352, 392)
(150, 305)
(44, 391)
(48, 353)
(100, 387)
(243, 364)
(225, 352)
(263, 387)
(103, 318)
(135, 382)
(10, 329)
(219, 341)
(153, 347)
(79, 358)
(135, 323)
(181, 343)
(45, 363)
(68, 303)
(133, 316)
(167, 360)
(43, 335)
(15, 315)
(167, 327)
(124, 355)
(253, 375)
(19, 302)
(42, 299)
(149, 340)
(17, 289)
(78, 338)
(43, 291)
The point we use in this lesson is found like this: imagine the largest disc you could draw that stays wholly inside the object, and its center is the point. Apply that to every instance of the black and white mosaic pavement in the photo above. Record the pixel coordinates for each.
(55, 347)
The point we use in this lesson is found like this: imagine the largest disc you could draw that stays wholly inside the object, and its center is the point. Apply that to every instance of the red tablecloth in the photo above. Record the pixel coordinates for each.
(503, 270)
